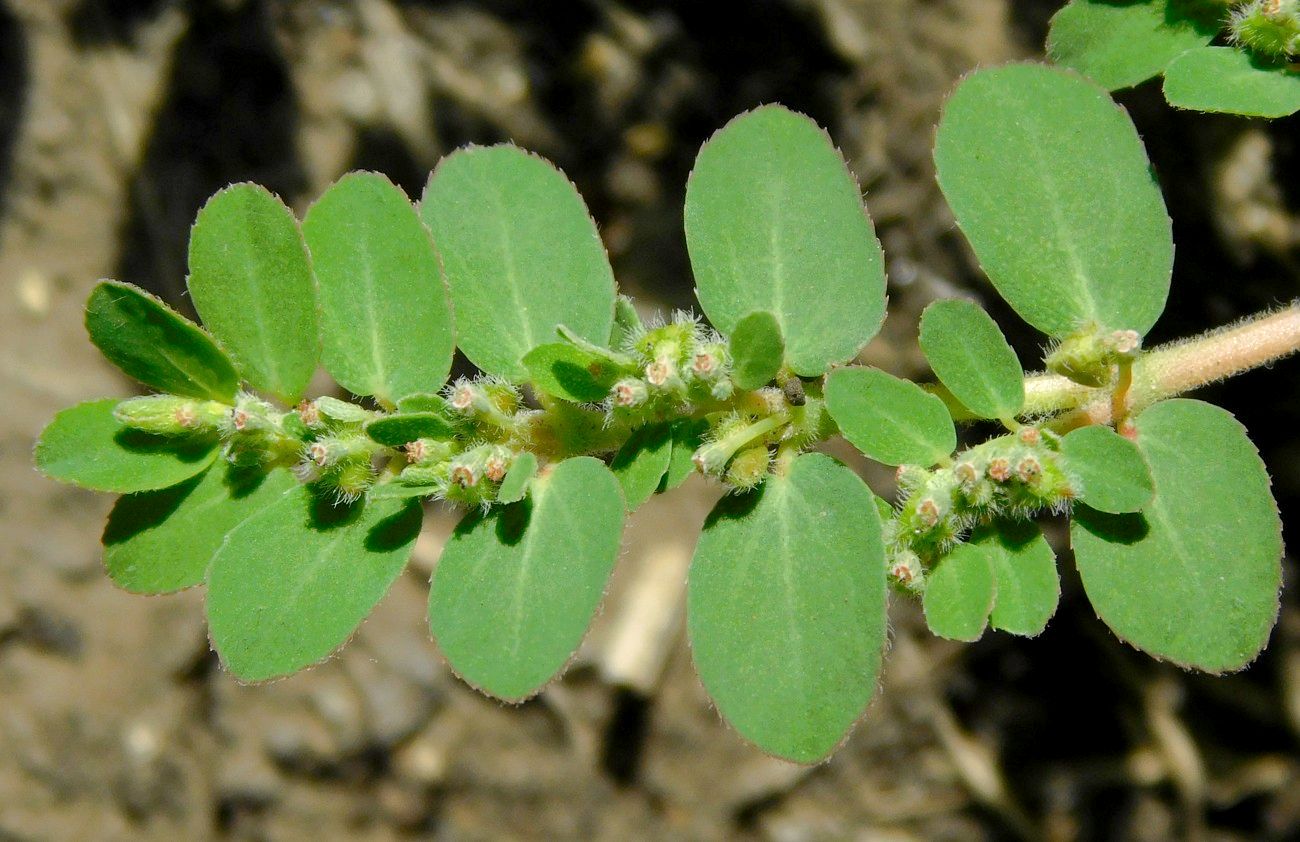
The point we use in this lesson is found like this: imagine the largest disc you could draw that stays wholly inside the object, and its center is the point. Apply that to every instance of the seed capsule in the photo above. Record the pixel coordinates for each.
(999, 469)
(1030, 436)
(629, 392)
(1029, 469)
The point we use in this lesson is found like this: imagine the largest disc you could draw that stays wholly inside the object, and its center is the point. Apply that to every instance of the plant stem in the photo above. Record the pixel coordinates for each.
(1171, 369)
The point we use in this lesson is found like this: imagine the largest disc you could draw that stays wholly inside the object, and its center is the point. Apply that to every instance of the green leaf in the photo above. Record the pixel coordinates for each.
(569, 372)
(775, 222)
(757, 350)
(423, 402)
(959, 593)
(291, 583)
(152, 343)
(337, 410)
(518, 478)
(521, 252)
(252, 284)
(1232, 81)
(517, 587)
(1114, 476)
(1050, 183)
(627, 323)
(971, 357)
(890, 420)
(687, 435)
(162, 541)
(642, 461)
(86, 446)
(397, 430)
(1194, 578)
(385, 313)
(1121, 44)
(1024, 570)
(786, 608)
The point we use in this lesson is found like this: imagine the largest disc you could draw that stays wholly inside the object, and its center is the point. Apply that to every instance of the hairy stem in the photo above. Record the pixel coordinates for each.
(1171, 369)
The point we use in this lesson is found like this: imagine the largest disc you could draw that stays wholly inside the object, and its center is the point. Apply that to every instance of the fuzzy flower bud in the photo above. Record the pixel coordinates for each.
(629, 392)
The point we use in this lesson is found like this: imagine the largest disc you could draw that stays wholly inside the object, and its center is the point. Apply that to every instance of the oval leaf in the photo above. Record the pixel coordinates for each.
(385, 314)
(517, 587)
(86, 446)
(1119, 45)
(569, 372)
(971, 357)
(1050, 183)
(291, 584)
(1114, 476)
(1232, 81)
(1028, 587)
(518, 478)
(162, 541)
(642, 461)
(397, 430)
(890, 420)
(522, 255)
(152, 343)
(959, 594)
(757, 350)
(1195, 577)
(252, 284)
(773, 215)
(687, 435)
(786, 608)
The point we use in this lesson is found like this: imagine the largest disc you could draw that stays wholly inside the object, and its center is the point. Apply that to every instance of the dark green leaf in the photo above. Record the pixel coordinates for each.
(252, 284)
(385, 313)
(1114, 476)
(688, 435)
(516, 587)
(971, 357)
(146, 339)
(1121, 44)
(757, 350)
(397, 430)
(1050, 183)
(890, 420)
(291, 584)
(85, 445)
(1194, 578)
(775, 222)
(161, 541)
(518, 478)
(786, 608)
(1024, 569)
(1232, 81)
(959, 593)
(641, 463)
(522, 255)
(569, 372)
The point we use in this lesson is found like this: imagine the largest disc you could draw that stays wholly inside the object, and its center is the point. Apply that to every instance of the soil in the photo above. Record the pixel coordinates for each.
(117, 119)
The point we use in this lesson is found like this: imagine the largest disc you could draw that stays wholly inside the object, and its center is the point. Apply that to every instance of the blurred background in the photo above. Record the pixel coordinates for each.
(118, 118)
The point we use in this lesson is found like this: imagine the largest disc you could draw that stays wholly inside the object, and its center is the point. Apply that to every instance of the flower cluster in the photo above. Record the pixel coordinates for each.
(1012, 476)
(1268, 27)
(670, 368)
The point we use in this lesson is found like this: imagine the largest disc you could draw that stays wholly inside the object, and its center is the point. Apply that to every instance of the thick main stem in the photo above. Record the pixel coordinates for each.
(1172, 369)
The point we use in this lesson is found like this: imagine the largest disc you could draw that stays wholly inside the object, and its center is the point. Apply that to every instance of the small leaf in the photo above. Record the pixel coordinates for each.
(517, 587)
(152, 343)
(1024, 570)
(775, 222)
(1194, 578)
(86, 446)
(569, 372)
(688, 435)
(959, 594)
(522, 255)
(518, 478)
(423, 402)
(757, 350)
(971, 357)
(1114, 476)
(890, 420)
(1232, 81)
(1050, 183)
(252, 284)
(404, 487)
(162, 541)
(627, 323)
(337, 410)
(786, 608)
(397, 430)
(641, 463)
(1121, 44)
(292, 583)
(385, 314)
